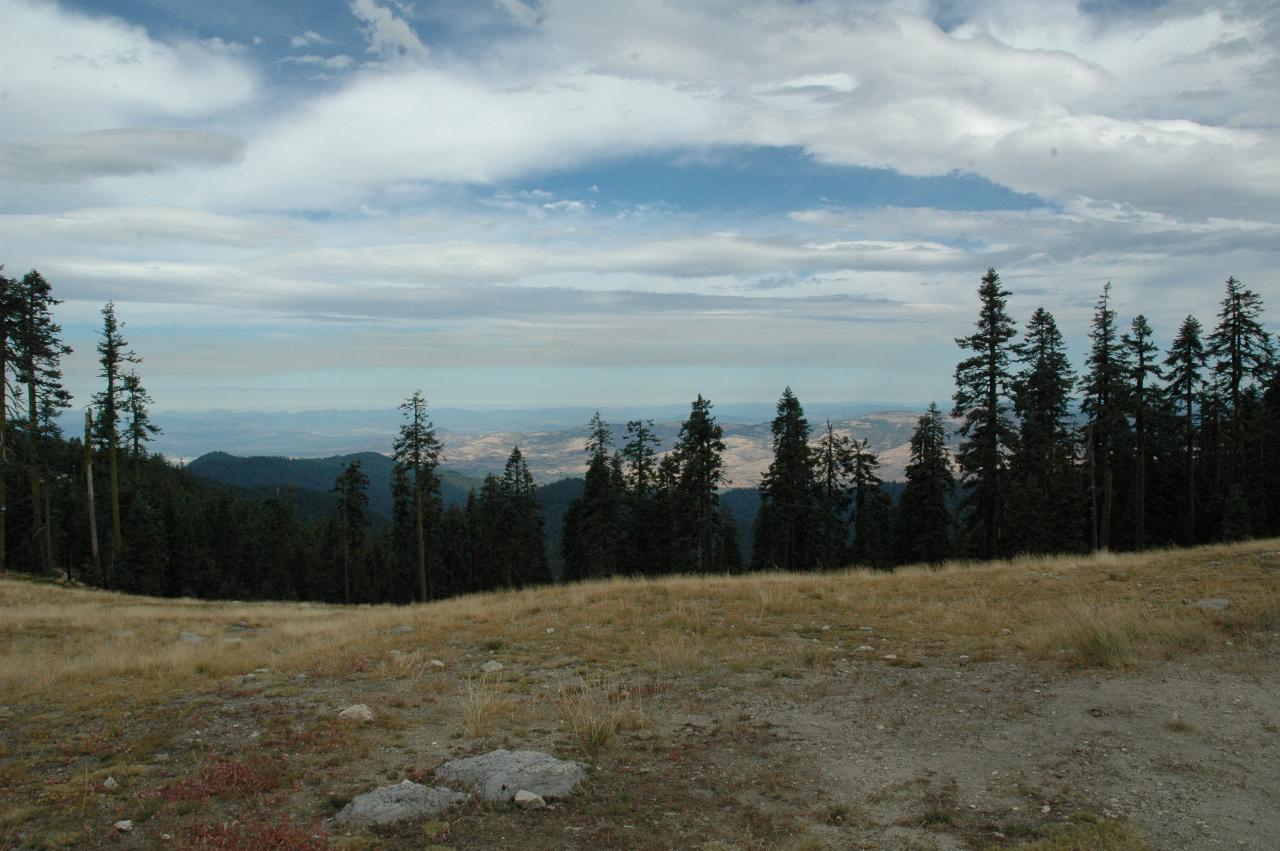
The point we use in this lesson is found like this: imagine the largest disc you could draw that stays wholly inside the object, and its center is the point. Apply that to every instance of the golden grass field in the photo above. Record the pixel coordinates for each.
(75, 663)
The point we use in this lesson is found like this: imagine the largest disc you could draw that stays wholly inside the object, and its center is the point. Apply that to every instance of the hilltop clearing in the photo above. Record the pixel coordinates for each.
(1117, 701)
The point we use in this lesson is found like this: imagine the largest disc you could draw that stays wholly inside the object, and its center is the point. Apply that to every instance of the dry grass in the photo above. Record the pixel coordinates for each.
(84, 646)
(486, 704)
(592, 715)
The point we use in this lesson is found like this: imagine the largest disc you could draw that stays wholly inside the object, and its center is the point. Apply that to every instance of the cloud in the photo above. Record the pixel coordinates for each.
(70, 157)
(68, 72)
(389, 36)
(308, 38)
(340, 62)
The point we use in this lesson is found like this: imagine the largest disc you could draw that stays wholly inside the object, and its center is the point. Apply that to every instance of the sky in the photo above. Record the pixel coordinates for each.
(509, 203)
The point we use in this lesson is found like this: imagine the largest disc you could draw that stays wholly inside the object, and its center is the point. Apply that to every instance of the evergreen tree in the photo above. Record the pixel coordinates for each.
(38, 350)
(1104, 403)
(834, 462)
(526, 557)
(1141, 356)
(982, 387)
(924, 515)
(1241, 350)
(350, 520)
(1041, 466)
(701, 473)
(785, 524)
(593, 525)
(417, 450)
(1183, 373)
(139, 429)
(113, 354)
(641, 551)
(9, 313)
(872, 509)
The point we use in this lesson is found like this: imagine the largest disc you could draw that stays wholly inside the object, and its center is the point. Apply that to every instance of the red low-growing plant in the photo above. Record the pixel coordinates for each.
(237, 836)
(223, 778)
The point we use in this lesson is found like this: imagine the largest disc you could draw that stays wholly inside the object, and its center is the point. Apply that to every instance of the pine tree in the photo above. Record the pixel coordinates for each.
(139, 429)
(1242, 350)
(352, 488)
(924, 516)
(834, 462)
(113, 354)
(526, 561)
(9, 312)
(1104, 403)
(872, 509)
(38, 351)
(701, 473)
(982, 388)
(1041, 466)
(643, 531)
(418, 450)
(593, 526)
(1143, 368)
(1183, 374)
(786, 521)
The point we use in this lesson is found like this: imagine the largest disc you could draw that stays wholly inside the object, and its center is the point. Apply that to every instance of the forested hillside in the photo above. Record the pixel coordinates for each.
(1144, 446)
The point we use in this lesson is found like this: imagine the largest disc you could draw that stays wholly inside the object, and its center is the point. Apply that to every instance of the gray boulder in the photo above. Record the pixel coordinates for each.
(404, 801)
(499, 775)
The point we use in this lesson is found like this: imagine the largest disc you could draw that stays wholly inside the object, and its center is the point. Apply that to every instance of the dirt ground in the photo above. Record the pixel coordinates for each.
(838, 751)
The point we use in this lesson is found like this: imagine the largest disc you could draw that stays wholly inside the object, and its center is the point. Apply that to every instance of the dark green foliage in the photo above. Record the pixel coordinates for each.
(1104, 401)
(1144, 398)
(786, 526)
(833, 485)
(983, 386)
(1184, 366)
(594, 525)
(349, 523)
(924, 514)
(1042, 488)
(694, 475)
(417, 454)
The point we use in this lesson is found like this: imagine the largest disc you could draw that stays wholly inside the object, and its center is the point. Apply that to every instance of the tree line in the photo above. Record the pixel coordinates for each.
(1145, 447)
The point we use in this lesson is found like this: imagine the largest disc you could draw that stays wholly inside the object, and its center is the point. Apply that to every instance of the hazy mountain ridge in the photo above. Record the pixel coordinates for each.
(552, 453)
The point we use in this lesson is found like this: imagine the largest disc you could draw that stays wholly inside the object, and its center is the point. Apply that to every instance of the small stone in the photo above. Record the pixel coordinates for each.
(550, 630)
(357, 712)
(123, 826)
(526, 800)
(1215, 604)
(110, 783)
(867, 628)
(964, 658)
(262, 670)
(865, 648)
(436, 663)
(491, 667)
(889, 657)
(826, 628)
(402, 629)
(123, 633)
(190, 637)
(1006, 631)
(161, 757)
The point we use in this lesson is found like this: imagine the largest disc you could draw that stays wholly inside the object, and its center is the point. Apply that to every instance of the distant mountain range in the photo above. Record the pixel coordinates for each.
(552, 440)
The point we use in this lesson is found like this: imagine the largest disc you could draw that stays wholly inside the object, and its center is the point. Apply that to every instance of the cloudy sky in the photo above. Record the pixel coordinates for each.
(519, 203)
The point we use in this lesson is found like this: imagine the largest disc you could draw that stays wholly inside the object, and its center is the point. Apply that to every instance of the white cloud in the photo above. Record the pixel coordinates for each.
(308, 38)
(340, 62)
(389, 36)
(81, 156)
(67, 72)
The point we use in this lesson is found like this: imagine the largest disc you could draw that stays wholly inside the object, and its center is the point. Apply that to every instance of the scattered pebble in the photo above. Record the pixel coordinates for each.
(550, 630)
(491, 667)
(865, 648)
(527, 800)
(436, 663)
(356, 712)
(110, 783)
(191, 637)
(123, 826)
(402, 629)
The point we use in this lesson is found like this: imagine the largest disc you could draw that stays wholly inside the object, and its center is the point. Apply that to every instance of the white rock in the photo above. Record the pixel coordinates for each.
(402, 629)
(889, 657)
(1215, 604)
(110, 783)
(498, 775)
(390, 804)
(865, 648)
(191, 637)
(123, 826)
(526, 800)
(436, 663)
(550, 630)
(356, 712)
(491, 667)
